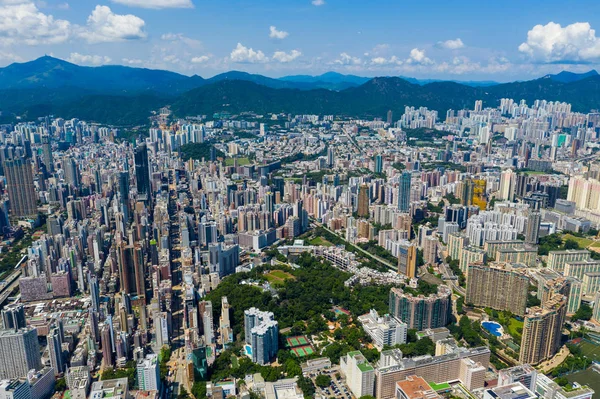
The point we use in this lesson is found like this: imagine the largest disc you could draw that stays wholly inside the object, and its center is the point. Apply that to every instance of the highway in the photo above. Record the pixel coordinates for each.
(8, 285)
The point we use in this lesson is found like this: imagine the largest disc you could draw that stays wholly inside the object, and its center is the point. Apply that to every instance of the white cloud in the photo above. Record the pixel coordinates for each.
(462, 65)
(85, 59)
(284, 57)
(381, 61)
(347, 59)
(418, 57)
(63, 6)
(179, 37)
(318, 2)
(277, 34)
(551, 43)
(156, 4)
(452, 44)
(21, 22)
(244, 54)
(104, 26)
(201, 59)
(129, 61)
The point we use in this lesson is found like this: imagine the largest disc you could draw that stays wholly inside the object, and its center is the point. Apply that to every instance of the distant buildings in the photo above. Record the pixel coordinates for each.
(384, 330)
(421, 312)
(261, 335)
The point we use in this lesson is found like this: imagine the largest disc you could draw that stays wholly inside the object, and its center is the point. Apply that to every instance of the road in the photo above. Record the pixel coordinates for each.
(10, 283)
(367, 254)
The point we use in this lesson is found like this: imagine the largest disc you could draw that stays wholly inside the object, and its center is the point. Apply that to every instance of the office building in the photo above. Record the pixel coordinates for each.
(407, 259)
(359, 374)
(498, 286)
(13, 317)
(20, 187)
(421, 312)
(19, 352)
(384, 330)
(142, 173)
(542, 330)
(148, 373)
(15, 388)
(363, 201)
(404, 191)
(261, 333)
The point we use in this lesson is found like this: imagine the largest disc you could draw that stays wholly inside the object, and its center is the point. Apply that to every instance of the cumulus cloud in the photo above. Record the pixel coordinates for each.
(462, 65)
(418, 57)
(318, 2)
(21, 22)
(156, 4)
(277, 34)
(381, 61)
(347, 59)
(201, 59)
(130, 61)
(104, 26)
(244, 54)
(552, 43)
(85, 59)
(452, 44)
(283, 57)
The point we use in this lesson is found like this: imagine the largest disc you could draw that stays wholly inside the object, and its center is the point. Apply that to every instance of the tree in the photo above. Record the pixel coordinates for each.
(367, 397)
(183, 394)
(199, 389)
(571, 244)
(583, 313)
(307, 387)
(323, 380)
(61, 385)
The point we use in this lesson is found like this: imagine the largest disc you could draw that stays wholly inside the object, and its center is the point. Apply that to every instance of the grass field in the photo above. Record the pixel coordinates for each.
(234, 362)
(278, 276)
(587, 377)
(513, 326)
(583, 242)
(591, 351)
(320, 241)
(241, 161)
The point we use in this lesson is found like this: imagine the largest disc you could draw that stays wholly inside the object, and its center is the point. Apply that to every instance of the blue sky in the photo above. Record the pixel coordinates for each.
(466, 40)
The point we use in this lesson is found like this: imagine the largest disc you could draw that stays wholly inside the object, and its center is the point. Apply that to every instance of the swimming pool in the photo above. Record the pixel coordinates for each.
(494, 328)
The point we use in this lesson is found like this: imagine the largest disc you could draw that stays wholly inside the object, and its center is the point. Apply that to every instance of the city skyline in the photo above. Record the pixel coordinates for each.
(304, 37)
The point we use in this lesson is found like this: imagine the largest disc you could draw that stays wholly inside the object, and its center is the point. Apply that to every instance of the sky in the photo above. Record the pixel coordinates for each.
(459, 40)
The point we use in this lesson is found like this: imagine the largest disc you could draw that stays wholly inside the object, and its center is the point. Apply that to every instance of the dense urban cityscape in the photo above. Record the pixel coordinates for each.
(299, 199)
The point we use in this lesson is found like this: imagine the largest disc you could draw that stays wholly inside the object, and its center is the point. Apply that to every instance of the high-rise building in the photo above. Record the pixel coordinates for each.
(131, 273)
(226, 332)
(363, 201)
(261, 333)
(384, 330)
(407, 259)
(404, 191)
(47, 154)
(421, 312)
(19, 352)
(55, 351)
(148, 373)
(532, 231)
(106, 342)
(507, 185)
(330, 156)
(525, 374)
(15, 388)
(124, 196)
(497, 286)
(360, 375)
(558, 259)
(542, 330)
(13, 317)
(19, 184)
(378, 163)
(142, 172)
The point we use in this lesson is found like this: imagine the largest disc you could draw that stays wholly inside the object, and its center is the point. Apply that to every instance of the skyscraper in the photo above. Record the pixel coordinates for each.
(55, 351)
(261, 334)
(542, 330)
(421, 312)
(21, 191)
(19, 352)
(533, 228)
(363, 201)
(124, 195)
(142, 172)
(13, 317)
(378, 163)
(330, 156)
(226, 332)
(404, 191)
(407, 259)
(47, 154)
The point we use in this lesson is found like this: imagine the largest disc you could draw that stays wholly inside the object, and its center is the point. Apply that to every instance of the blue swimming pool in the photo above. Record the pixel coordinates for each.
(494, 328)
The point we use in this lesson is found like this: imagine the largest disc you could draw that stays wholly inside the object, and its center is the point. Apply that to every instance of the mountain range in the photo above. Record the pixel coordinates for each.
(125, 96)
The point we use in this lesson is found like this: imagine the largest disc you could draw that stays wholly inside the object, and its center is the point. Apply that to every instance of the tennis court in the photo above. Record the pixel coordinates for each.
(302, 351)
(293, 342)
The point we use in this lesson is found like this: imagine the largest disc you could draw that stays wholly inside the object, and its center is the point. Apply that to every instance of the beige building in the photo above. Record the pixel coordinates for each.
(498, 286)
(558, 259)
(524, 255)
(542, 330)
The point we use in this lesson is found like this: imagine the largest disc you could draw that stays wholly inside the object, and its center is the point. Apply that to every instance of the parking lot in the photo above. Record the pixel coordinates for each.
(336, 389)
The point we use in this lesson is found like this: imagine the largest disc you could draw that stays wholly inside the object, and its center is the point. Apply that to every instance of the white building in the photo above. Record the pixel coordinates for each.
(148, 373)
(384, 330)
(360, 375)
